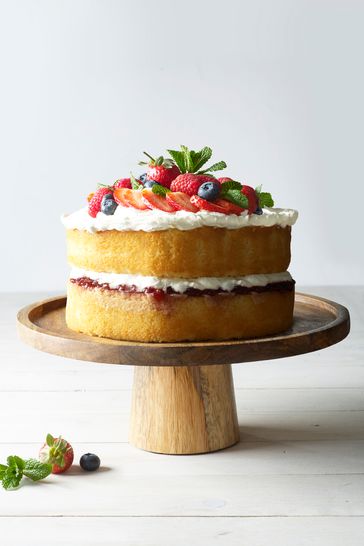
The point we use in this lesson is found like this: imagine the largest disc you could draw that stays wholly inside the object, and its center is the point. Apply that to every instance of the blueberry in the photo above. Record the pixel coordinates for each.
(90, 462)
(108, 205)
(150, 183)
(143, 178)
(209, 190)
(258, 211)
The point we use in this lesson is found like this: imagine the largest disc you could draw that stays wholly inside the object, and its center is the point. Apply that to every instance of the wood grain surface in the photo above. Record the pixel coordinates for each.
(183, 409)
(318, 323)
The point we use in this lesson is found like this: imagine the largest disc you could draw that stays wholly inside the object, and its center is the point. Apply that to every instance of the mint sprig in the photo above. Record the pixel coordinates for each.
(135, 184)
(264, 198)
(190, 161)
(12, 473)
(160, 190)
(231, 191)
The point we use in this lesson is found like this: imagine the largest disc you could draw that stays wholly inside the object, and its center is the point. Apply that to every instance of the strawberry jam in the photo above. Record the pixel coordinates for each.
(158, 294)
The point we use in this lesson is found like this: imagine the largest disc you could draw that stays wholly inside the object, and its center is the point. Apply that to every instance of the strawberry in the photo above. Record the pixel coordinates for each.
(224, 179)
(161, 170)
(180, 201)
(154, 201)
(129, 198)
(123, 183)
(202, 204)
(190, 182)
(230, 208)
(94, 205)
(249, 192)
(57, 452)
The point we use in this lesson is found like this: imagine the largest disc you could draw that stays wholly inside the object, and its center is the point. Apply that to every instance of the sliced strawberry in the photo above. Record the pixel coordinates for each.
(154, 201)
(130, 198)
(202, 204)
(180, 201)
(230, 208)
(249, 192)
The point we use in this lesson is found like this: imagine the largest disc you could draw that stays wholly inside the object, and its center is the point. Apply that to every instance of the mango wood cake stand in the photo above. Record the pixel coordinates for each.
(183, 393)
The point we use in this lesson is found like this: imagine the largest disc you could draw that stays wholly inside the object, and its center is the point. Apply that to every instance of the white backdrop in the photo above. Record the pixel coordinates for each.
(276, 88)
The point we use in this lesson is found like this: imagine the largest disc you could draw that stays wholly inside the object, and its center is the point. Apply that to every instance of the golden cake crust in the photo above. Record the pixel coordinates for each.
(201, 252)
(141, 317)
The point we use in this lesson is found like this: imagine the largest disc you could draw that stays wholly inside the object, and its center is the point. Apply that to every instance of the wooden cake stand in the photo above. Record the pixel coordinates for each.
(183, 394)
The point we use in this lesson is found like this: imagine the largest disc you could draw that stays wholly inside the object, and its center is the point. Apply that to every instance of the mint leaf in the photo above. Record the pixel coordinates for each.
(16, 462)
(265, 199)
(3, 467)
(230, 185)
(179, 159)
(35, 470)
(160, 190)
(11, 478)
(135, 184)
(49, 440)
(200, 158)
(215, 167)
(235, 196)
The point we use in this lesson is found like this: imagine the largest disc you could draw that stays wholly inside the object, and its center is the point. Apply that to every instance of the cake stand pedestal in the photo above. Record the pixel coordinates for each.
(183, 394)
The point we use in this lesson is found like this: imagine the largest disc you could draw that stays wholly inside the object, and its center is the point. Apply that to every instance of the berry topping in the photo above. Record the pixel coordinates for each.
(224, 179)
(189, 183)
(202, 204)
(129, 198)
(123, 183)
(143, 177)
(90, 462)
(180, 201)
(57, 452)
(189, 161)
(94, 205)
(154, 201)
(108, 204)
(209, 190)
(230, 208)
(161, 170)
(249, 192)
(259, 211)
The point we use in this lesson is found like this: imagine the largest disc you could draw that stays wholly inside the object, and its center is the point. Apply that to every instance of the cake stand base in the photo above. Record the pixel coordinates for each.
(183, 410)
(183, 394)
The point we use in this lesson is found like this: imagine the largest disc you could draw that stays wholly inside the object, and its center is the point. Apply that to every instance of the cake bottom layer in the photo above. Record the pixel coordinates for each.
(142, 317)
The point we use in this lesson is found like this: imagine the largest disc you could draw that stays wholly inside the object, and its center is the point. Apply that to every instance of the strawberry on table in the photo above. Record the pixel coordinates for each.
(180, 201)
(154, 201)
(57, 452)
(160, 170)
(202, 204)
(94, 205)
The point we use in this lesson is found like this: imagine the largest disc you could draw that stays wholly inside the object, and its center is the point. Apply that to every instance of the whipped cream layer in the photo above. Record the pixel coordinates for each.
(130, 219)
(141, 282)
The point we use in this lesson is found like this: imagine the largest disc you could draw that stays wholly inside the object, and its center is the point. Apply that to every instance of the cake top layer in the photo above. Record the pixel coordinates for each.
(130, 219)
(178, 192)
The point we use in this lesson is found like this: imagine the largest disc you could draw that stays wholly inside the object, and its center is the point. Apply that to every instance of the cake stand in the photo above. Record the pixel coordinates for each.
(183, 395)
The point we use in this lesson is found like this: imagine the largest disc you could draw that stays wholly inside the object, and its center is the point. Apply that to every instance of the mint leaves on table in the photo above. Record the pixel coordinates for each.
(12, 473)
(189, 161)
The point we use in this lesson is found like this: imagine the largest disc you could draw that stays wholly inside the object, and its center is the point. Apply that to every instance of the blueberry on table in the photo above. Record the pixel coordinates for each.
(209, 191)
(89, 462)
(108, 205)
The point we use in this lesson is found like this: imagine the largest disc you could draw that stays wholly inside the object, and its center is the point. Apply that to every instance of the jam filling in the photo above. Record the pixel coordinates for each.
(282, 286)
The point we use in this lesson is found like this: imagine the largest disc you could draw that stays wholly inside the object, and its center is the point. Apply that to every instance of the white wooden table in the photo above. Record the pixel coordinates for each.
(296, 478)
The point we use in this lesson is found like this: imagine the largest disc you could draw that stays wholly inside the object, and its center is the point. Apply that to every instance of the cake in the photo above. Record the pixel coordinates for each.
(179, 255)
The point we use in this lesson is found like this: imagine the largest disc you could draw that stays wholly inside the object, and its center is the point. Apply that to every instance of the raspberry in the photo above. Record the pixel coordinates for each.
(94, 205)
(123, 183)
(189, 182)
